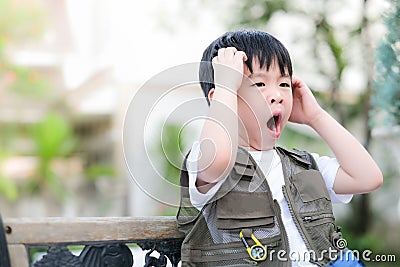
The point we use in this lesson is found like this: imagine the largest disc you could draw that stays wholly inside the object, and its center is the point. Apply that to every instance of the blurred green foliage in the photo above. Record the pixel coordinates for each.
(170, 149)
(387, 83)
(23, 23)
(292, 138)
(254, 13)
(20, 20)
(8, 187)
(97, 171)
(53, 138)
(27, 82)
(20, 23)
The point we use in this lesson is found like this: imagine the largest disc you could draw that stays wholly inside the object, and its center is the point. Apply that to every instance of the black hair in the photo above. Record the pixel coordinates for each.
(256, 44)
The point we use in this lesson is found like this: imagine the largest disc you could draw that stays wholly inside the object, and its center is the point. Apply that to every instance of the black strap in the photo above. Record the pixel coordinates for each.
(4, 257)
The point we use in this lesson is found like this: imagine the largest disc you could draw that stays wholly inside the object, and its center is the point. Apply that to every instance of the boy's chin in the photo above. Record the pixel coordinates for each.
(266, 145)
(265, 142)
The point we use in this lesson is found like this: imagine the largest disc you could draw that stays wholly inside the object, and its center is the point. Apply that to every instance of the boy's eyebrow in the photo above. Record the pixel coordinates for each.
(262, 74)
(257, 74)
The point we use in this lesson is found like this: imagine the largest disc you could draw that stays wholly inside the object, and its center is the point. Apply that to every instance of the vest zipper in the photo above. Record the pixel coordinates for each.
(317, 217)
(224, 251)
(284, 235)
(276, 208)
(289, 201)
(296, 220)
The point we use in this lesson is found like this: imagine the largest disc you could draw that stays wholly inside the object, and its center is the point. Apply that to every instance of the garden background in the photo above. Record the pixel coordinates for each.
(68, 70)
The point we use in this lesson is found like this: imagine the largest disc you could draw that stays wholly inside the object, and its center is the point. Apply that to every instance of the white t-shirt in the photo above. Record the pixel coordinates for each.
(274, 175)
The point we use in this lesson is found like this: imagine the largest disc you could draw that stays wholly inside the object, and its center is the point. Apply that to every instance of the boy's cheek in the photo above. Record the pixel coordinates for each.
(255, 108)
(252, 96)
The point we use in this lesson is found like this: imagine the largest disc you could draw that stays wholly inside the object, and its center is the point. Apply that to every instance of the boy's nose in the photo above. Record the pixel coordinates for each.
(276, 98)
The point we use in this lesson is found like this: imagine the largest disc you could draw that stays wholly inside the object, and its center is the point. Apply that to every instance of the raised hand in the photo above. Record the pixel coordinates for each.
(228, 68)
(305, 107)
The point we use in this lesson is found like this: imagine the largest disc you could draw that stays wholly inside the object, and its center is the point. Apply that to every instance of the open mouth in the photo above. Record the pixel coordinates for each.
(274, 124)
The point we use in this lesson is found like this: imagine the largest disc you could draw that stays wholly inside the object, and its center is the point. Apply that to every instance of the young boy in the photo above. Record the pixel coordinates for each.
(245, 201)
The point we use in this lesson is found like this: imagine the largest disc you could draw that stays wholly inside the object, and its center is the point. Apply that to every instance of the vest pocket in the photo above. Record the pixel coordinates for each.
(318, 219)
(232, 254)
(310, 185)
(320, 232)
(238, 210)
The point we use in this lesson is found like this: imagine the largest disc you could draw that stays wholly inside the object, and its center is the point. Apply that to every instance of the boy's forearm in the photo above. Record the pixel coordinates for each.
(219, 137)
(358, 172)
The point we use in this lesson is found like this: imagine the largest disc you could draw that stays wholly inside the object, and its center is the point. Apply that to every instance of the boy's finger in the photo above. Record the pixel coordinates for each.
(296, 82)
(215, 59)
(230, 51)
(221, 52)
(241, 54)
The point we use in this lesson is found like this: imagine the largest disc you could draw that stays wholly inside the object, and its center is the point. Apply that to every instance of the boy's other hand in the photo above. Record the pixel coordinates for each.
(305, 108)
(228, 68)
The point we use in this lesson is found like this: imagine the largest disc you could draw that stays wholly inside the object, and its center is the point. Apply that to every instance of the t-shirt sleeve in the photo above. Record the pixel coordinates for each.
(197, 198)
(329, 167)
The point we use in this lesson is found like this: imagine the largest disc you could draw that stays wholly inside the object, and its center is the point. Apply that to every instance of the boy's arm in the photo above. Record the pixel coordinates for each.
(358, 172)
(219, 135)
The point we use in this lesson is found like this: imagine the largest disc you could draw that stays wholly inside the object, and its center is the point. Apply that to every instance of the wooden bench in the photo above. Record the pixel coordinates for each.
(103, 241)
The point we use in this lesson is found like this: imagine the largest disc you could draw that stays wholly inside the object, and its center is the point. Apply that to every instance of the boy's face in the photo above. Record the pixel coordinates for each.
(264, 106)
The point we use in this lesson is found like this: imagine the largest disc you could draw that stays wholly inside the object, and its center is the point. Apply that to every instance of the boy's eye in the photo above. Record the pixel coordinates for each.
(260, 84)
(284, 85)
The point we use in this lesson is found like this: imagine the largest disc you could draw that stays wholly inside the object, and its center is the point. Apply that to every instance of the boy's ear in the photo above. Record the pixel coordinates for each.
(211, 94)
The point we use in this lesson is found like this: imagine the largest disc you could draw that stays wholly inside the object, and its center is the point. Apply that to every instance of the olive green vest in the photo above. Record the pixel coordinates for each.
(244, 204)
